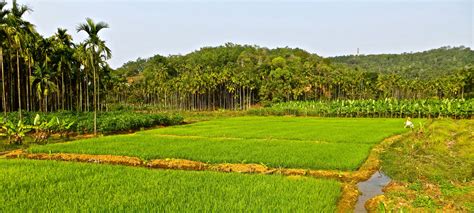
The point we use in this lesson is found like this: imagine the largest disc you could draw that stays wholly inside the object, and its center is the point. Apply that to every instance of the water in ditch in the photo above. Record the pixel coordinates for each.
(371, 188)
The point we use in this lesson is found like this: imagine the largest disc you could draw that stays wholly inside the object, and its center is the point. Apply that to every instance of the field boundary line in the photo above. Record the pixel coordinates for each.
(181, 164)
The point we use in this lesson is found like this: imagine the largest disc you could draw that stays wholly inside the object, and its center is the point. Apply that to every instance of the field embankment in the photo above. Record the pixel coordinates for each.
(432, 169)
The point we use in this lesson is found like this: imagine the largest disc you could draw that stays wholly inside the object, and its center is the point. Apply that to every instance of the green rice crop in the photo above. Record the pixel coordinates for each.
(44, 186)
(273, 153)
(337, 130)
(290, 142)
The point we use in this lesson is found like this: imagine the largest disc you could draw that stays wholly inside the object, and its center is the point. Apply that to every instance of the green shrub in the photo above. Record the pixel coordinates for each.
(107, 122)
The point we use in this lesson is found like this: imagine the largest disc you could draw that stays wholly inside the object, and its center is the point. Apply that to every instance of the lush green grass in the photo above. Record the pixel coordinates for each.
(437, 166)
(340, 130)
(27, 185)
(312, 143)
(274, 153)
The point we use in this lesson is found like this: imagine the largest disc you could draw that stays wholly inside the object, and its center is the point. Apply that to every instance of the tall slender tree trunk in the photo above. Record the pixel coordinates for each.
(18, 80)
(4, 99)
(28, 86)
(80, 96)
(45, 107)
(87, 94)
(95, 97)
(63, 88)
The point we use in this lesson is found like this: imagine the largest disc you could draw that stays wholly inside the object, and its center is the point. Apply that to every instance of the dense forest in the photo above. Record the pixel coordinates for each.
(236, 76)
(428, 64)
(55, 73)
(50, 73)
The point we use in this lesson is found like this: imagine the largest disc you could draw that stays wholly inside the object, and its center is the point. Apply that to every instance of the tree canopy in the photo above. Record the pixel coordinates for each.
(235, 76)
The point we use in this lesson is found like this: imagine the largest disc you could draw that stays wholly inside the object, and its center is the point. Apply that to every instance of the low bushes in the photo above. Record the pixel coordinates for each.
(107, 122)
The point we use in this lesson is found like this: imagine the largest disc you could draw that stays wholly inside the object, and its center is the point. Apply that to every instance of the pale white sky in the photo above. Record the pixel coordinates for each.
(144, 28)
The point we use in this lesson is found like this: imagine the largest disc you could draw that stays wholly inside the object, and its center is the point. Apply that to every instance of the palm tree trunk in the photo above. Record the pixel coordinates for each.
(28, 86)
(3, 84)
(18, 80)
(45, 107)
(62, 90)
(95, 97)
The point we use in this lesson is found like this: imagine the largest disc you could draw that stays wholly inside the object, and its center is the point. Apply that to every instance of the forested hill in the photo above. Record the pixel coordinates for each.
(427, 64)
(237, 76)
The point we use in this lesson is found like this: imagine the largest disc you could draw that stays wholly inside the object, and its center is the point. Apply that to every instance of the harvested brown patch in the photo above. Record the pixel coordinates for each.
(106, 159)
(241, 168)
(348, 198)
(177, 164)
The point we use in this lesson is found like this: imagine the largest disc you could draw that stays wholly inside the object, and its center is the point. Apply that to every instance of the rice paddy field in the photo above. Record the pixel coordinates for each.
(336, 144)
(28, 185)
(289, 142)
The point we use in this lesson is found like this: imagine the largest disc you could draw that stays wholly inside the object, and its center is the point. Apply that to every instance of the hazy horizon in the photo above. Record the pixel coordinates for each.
(141, 29)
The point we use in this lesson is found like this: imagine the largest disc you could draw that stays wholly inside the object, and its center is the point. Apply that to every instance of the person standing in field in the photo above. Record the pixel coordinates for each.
(409, 124)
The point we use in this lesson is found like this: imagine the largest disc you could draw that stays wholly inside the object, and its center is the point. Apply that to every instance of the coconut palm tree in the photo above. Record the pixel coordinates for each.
(96, 48)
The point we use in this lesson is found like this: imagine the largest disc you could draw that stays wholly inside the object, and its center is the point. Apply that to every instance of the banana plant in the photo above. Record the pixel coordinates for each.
(15, 132)
(63, 126)
(43, 129)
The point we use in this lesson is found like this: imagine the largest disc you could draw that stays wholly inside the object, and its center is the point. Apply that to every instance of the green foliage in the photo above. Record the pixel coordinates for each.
(393, 108)
(28, 185)
(15, 132)
(428, 64)
(43, 128)
(423, 201)
(309, 143)
(436, 164)
(63, 126)
(235, 76)
(108, 122)
(444, 151)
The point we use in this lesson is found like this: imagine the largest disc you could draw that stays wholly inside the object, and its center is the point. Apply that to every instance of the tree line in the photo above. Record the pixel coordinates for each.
(235, 76)
(50, 73)
(55, 73)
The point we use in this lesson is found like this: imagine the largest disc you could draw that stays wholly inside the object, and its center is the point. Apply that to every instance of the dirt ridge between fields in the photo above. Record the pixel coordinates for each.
(349, 179)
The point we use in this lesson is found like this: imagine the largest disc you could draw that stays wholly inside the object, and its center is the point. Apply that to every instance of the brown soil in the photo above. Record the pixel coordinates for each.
(400, 197)
(177, 164)
(106, 159)
(240, 168)
(348, 198)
